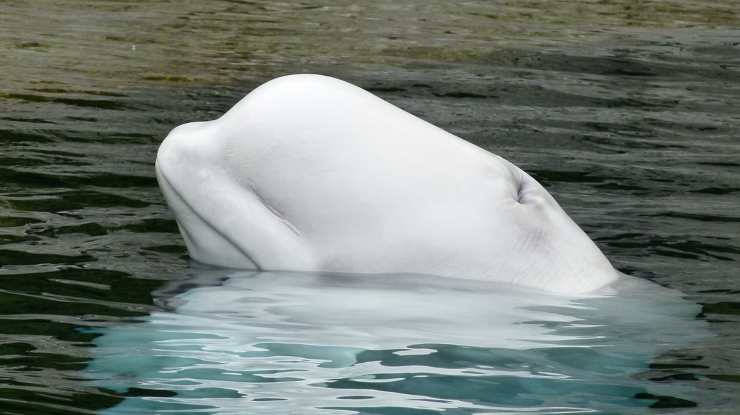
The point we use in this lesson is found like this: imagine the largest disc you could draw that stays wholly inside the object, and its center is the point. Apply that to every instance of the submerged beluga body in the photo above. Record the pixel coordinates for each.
(310, 173)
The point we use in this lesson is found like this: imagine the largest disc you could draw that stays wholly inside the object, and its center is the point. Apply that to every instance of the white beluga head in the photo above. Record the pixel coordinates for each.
(310, 173)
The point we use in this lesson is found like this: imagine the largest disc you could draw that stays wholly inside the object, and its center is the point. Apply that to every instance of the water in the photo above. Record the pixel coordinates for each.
(310, 343)
(627, 111)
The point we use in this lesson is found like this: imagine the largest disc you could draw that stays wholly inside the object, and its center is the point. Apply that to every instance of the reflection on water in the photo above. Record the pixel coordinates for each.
(312, 343)
(626, 110)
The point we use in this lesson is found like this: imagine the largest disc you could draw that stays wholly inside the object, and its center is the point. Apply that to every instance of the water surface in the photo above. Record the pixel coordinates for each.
(627, 111)
(269, 342)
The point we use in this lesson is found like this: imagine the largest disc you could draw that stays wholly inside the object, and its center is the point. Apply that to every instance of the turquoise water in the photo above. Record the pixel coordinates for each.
(627, 111)
(247, 342)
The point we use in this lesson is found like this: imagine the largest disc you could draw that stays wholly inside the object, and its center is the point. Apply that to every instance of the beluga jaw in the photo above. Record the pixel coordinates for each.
(310, 173)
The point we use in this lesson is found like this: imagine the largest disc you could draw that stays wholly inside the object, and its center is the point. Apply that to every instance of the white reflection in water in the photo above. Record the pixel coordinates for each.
(269, 342)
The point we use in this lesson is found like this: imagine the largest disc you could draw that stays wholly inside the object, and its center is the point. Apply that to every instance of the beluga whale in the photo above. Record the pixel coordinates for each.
(311, 173)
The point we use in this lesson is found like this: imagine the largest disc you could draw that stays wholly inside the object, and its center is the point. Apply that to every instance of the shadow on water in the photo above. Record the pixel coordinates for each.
(228, 341)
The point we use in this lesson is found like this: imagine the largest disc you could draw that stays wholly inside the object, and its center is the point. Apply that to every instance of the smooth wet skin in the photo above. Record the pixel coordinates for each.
(310, 173)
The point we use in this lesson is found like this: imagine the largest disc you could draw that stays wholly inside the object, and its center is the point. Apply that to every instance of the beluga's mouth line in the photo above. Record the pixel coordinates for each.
(175, 198)
(311, 173)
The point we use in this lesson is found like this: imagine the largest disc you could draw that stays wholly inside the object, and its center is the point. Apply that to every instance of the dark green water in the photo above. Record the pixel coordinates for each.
(628, 111)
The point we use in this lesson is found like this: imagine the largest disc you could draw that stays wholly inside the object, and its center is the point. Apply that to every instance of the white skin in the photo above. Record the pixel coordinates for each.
(310, 173)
